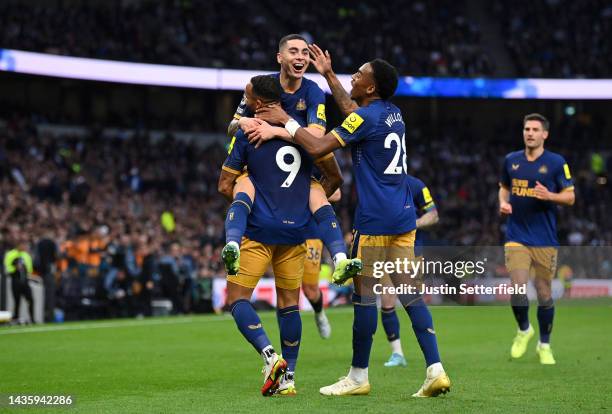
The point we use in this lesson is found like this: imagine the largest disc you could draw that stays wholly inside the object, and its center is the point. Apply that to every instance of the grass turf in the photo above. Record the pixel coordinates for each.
(202, 364)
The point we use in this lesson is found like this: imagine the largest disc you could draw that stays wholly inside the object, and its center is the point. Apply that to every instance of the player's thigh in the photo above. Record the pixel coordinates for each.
(317, 197)
(245, 185)
(544, 261)
(288, 265)
(518, 262)
(255, 258)
(401, 250)
(312, 262)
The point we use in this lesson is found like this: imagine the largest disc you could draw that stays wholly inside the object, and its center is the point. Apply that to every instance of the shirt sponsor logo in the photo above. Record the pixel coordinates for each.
(352, 122)
(321, 112)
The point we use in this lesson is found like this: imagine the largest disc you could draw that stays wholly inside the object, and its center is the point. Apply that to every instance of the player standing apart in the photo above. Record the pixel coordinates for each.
(534, 182)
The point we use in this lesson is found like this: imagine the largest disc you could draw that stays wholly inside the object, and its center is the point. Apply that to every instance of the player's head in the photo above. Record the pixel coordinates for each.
(535, 130)
(262, 90)
(377, 78)
(293, 55)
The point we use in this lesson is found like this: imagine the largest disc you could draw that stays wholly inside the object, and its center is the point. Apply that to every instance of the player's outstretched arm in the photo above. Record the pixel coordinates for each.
(332, 176)
(322, 63)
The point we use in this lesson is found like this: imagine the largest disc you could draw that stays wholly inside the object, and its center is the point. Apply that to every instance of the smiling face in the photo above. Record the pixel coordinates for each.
(294, 58)
(362, 83)
(534, 134)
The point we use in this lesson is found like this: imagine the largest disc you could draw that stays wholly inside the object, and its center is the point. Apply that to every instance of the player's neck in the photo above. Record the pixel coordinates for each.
(533, 154)
(289, 84)
(367, 100)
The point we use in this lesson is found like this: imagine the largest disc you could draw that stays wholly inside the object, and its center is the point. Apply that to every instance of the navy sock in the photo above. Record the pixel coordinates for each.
(290, 326)
(520, 307)
(390, 323)
(365, 318)
(546, 314)
(329, 230)
(317, 305)
(236, 219)
(422, 324)
(249, 324)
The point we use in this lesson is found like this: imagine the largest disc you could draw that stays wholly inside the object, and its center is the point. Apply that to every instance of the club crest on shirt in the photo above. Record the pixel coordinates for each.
(515, 167)
(301, 105)
(543, 169)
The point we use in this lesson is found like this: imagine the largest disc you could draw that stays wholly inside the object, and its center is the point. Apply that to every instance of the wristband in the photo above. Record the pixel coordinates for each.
(292, 126)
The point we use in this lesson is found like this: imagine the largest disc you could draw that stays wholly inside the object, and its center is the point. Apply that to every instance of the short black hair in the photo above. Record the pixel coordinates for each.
(537, 117)
(292, 36)
(267, 87)
(385, 77)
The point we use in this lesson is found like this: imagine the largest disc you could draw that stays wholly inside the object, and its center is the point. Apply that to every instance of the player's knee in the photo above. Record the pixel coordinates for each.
(287, 297)
(311, 291)
(410, 299)
(317, 199)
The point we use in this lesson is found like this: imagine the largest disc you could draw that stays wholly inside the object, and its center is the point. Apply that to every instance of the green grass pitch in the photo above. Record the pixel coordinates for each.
(201, 364)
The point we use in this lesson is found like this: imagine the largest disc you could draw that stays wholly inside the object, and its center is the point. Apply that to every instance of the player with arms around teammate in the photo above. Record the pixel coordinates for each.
(384, 219)
(534, 182)
(427, 216)
(305, 102)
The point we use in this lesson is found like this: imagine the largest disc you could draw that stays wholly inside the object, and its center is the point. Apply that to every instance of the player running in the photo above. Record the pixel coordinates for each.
(534, 182)
(305, 101)
(385, 219)
(427, 216)
(275, 228)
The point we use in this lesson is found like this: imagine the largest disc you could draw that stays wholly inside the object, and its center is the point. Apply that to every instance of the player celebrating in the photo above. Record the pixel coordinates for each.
(274, 236)
(534, 181)
(384, 219)
(305, 101)
(427, 216)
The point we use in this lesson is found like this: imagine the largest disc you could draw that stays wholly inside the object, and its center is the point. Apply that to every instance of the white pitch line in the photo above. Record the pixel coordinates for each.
(100, 325)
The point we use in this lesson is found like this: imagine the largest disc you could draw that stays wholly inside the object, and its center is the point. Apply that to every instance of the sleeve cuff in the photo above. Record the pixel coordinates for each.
(504, 186)
(236, 116)
(570, 188)
(325, 157)
(339, 138)
(321, 127)
(230, 170)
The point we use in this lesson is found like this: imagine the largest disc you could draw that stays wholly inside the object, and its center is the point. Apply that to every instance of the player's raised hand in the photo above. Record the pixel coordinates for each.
(272, 114)
(248, 124)
(541, 192)
(505, 208)
(321, 61)
(264, 132)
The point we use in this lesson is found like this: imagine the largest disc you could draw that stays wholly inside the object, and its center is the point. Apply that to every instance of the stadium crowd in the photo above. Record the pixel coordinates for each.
(436, 38)
(130, 220)
(557, 38)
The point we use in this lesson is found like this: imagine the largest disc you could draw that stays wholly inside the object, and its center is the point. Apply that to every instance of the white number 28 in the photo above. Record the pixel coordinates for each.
(394, 166)
(293, 167)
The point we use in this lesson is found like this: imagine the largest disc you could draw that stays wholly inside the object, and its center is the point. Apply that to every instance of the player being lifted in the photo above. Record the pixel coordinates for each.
(385, 218)
(305, 101)
(427, 216)
(534, 182)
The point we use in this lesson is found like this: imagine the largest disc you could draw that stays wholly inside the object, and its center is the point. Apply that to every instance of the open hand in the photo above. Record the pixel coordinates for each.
(264, 132)
(321, 61)
(272, 114)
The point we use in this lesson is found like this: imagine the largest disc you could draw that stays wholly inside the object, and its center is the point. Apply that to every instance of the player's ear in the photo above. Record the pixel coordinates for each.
(370, 89)
(278, 57)
(545, 134)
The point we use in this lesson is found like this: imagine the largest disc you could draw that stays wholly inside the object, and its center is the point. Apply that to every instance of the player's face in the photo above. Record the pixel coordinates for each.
(251, 101)
(294, 58)
(362, 82)
(534, 134)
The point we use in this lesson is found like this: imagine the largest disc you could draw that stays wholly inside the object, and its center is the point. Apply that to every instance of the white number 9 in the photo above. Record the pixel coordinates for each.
(292, 168)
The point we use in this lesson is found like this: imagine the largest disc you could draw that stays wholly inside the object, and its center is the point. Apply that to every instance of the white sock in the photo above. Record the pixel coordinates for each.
(359, 375)
(435, 369)
(544, 344)
(233, 243)
(526, 330)
(396, 347)
(338, 257)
